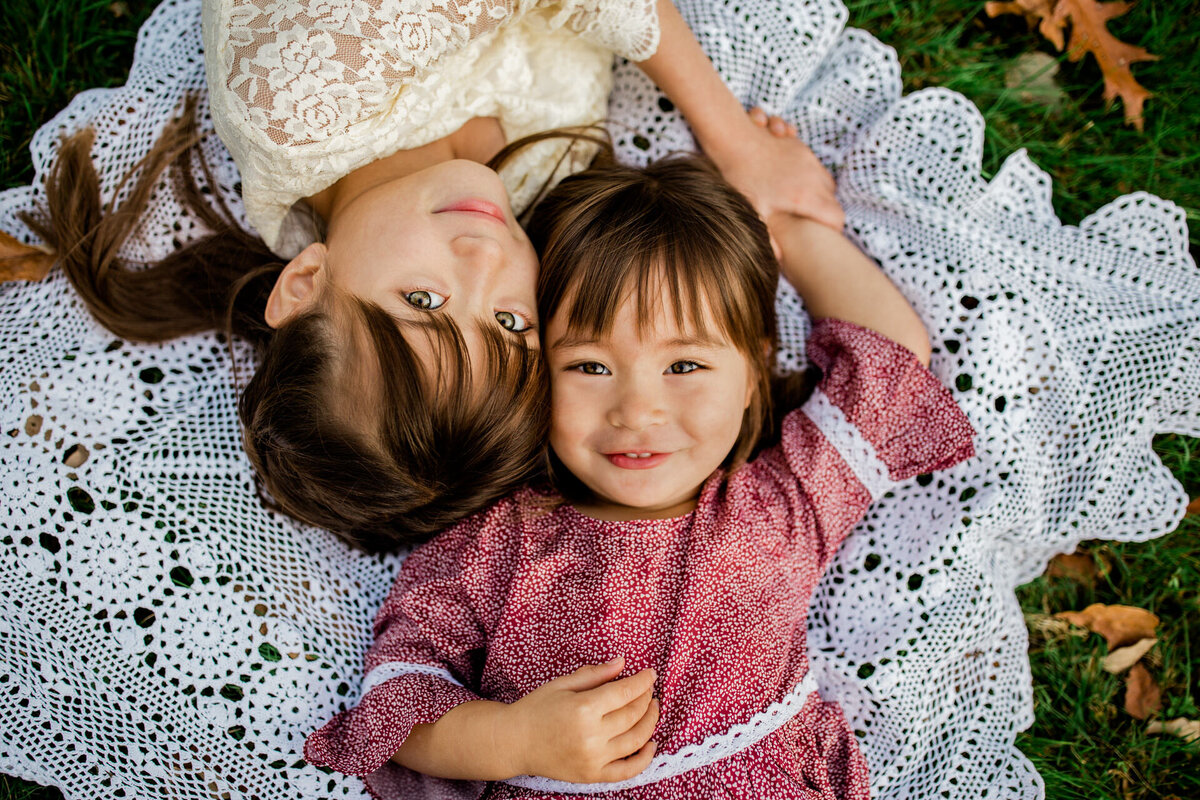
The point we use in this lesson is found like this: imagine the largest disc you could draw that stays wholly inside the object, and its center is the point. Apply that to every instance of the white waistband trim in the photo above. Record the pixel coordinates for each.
(394, 669)
(848, 440)
(694, 756)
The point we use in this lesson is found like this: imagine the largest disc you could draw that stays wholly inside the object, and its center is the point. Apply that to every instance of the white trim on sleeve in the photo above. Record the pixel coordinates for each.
(694, 756)
(394, 669)
(858, 453)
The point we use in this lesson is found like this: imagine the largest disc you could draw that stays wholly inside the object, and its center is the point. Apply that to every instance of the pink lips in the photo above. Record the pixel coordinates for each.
(625, 462)
(475, 205)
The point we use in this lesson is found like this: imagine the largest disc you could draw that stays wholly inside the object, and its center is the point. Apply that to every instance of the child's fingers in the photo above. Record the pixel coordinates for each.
(615, 694)
(631, 740)
(591, 676)
(622, 719)
(626, 768)
(827, 211)
(778, 126)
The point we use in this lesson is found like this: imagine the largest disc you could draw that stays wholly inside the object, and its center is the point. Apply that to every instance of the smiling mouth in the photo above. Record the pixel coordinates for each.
(636, 460)
(477, 207)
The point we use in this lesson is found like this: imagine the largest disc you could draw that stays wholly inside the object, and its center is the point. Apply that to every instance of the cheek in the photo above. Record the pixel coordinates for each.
(522, 279)
(569, 415)
(716, 420)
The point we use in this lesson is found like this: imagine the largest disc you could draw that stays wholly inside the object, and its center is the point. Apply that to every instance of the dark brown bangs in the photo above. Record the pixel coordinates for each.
(470, 433)
(672, 235)
(433, 444)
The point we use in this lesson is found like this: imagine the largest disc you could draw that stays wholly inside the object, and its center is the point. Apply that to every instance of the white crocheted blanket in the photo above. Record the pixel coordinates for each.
(161, 634)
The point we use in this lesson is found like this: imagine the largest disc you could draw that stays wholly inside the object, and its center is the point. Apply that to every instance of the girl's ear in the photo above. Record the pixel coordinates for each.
(295, 288)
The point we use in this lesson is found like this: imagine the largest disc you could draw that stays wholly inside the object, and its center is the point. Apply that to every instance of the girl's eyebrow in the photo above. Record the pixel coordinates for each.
(567, 341)
(698, 340)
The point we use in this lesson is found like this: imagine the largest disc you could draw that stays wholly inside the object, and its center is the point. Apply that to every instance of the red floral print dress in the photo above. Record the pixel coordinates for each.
(715, 600)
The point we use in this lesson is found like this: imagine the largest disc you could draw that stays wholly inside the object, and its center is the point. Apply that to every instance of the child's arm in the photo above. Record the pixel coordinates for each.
(421, 706)
(837, 280)
(878, 415)
(584, 727)
(748, 155)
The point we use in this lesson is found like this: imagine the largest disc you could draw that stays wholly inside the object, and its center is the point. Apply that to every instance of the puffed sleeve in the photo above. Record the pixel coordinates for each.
(877, 417)
(629, 28)
(426, 659)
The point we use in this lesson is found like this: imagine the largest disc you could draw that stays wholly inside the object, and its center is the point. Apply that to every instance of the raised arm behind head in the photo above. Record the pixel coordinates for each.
(838, 280)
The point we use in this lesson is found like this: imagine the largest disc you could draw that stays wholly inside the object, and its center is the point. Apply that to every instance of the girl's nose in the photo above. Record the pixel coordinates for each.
(483, 254)
(637, 408)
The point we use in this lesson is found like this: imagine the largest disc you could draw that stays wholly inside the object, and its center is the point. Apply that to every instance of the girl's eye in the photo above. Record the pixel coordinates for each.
(683, 367)
(424, 299)
(512, 322)
(592, 368)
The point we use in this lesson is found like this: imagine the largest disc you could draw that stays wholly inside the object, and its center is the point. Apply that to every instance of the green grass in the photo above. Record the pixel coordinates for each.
(1092, 155)
(1082, 742)
(50, 50)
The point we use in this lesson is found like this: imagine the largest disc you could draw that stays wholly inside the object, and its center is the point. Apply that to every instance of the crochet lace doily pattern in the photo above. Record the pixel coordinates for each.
(162, 634)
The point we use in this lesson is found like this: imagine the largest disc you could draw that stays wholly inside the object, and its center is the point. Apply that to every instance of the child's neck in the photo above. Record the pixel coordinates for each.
(478, 140)
(614, 512)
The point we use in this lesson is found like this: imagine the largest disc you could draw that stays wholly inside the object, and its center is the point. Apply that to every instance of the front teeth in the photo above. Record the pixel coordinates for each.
(637, 455)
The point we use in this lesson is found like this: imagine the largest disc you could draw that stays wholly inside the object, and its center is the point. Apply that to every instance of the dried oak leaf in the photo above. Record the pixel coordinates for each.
(22, 262)
(1193, 507)
(1089, 34)
(1119, 625)
(1036, 12)
(1184, 728)
(1142, 695)
(1076, 566)
(1123, 658)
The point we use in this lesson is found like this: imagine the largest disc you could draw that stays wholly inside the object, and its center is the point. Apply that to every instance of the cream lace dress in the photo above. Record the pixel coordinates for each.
(305, 91)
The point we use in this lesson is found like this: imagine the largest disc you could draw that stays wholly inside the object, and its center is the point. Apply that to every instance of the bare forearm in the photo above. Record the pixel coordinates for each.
(469, 742)
(683, 72)
(838, 280)
(774, 173)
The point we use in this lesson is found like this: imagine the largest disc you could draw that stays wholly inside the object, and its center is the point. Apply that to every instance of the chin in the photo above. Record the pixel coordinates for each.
(642, 501)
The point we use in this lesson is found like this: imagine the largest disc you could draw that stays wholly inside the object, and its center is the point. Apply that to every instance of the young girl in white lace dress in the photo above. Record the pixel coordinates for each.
(640, 629)
(365, 135)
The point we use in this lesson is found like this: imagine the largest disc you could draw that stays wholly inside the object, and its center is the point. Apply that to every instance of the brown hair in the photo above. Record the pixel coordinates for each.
(674, 232)
(435, 451)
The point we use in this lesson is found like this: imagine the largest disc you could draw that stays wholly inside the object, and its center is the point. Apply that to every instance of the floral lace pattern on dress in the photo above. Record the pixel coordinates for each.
(307, 70)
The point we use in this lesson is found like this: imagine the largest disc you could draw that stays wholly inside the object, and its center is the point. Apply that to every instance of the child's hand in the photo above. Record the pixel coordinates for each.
(778, 173)
(586, 727)
(778, 126)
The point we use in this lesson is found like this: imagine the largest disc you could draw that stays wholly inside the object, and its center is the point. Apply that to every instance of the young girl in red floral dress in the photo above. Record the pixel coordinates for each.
(639, 629)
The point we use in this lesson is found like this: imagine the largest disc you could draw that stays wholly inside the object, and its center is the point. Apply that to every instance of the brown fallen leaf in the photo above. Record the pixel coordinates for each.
(1089, 34)
(1078, 567)
(1184, 728)
(1193, 507)
(1123, 658)
(1142, 695)
(1036, 12)
(1119, 625)
(23, 262)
